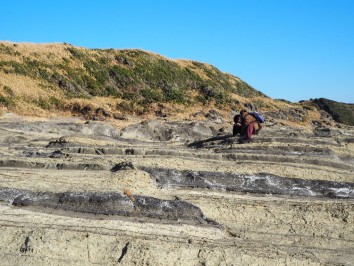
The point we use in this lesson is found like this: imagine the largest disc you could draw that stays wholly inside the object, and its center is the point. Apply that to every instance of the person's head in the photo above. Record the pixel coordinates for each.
(242, 112)
(237, 119)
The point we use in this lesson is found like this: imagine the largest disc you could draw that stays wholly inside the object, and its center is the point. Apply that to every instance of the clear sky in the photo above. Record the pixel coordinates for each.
(288, 49)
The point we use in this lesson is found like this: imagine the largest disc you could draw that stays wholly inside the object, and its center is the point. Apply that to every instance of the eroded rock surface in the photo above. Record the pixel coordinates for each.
(174, 193)
(109, 203)
(255, 183)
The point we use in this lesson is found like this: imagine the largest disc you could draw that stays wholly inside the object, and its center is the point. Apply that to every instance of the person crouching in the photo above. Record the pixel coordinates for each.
(250, 126)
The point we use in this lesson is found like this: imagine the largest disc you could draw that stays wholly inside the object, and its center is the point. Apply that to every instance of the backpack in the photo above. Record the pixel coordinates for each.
(258, 116)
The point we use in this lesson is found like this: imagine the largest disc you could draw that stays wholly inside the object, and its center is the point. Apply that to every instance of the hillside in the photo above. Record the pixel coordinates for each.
(51, 79)
(61, 77)
(341, 112)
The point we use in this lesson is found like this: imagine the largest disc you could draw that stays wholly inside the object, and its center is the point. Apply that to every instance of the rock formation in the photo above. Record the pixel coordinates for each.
(174, 193)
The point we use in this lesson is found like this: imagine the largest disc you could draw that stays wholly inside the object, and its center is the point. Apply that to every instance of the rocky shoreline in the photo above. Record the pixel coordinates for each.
(174, 193)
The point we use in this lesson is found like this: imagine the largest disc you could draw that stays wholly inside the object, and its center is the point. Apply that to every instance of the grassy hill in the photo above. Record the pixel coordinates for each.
(35, 78)
(341, 112)
(52, 79)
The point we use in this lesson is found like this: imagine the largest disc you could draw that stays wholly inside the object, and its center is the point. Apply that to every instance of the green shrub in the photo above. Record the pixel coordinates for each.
(8, 90)
(76, 53)
(112, 91)
(151, 95)
(174, 95)
(104, 61)
(44, 74)
(42, 103)
(48, 104)
(221, 97)
(53, 101)
(6, 101)
(130, 96)
(126, 106)
(122, 76)
(341, 112)
(4, 49)
(202, 99)
(19, 68)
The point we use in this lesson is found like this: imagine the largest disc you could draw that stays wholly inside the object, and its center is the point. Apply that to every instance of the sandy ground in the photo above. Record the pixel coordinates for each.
(250, 228)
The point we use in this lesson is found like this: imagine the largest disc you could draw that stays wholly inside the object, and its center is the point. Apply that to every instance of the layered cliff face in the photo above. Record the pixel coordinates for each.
(84, 193)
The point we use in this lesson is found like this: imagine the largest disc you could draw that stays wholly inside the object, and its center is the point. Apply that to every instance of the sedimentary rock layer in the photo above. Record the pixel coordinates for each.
(79, 193)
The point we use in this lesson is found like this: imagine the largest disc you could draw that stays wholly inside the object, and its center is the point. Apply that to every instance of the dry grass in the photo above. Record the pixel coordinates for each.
(191, 66)
(26, 91)
(49, 53)
(27, 109)
(312, 115)
(107, 103)
(27, 87)
(45, 51)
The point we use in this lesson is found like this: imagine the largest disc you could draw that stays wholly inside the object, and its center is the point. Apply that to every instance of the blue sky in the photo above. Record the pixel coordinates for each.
(288, 49)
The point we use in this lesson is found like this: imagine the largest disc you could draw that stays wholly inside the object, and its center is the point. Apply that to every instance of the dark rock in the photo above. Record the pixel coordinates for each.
(97, 118)
(199, 113)
(111, 204)
(58, 154)
(214, 116)
(316, 123)
(325, 115)
(63, 82)
(100, 129)
(165, 131)
(86, 110)
(129, 151)
(161, 113)
(250, 106)
(326, 132)
(297, 114)
(258, 183)
(123, 60)
(123, 166)
(57, 143)
(276, 115)
(32, 153)
(102, 112)
(26, 246)
(119, 117)
(124, 252)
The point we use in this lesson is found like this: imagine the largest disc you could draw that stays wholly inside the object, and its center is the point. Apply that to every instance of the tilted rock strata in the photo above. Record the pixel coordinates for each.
(85, 197)
(106, 204)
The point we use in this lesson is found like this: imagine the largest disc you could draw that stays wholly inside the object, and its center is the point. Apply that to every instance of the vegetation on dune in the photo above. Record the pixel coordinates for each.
(63, 77)
(122, 73)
